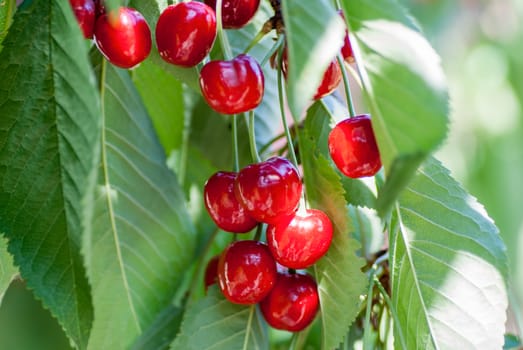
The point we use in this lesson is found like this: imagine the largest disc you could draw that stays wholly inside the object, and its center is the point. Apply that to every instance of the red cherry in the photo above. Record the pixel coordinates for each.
(299, 241)
(185, 33)
(100, 8)
(292, 304)
(353, 148)
(346, 49)
(246, 272)
(211, 272)
(222, 205)
(236, 13)
(84, 11)
(123, 37)
(269, 190)
(330, 81)
(231, 87)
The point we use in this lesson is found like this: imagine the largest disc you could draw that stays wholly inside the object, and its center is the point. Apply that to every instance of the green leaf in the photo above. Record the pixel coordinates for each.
(314, 33)
(405, 89)
(49, 133)
(214, 323)
(161, 333)
(142, 239)
(7, 9)
(7, 269)
(449, 266)
(340, 280)
(162, 94)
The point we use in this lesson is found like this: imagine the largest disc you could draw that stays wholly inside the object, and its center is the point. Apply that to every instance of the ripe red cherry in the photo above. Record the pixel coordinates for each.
(299, 241)
(231, 87)
(84, 11)
(330, 81)
(246, 272)
(292, 304)
(185, 33)
(123, 37)
(236, 13)
(222, 205)
(269, 190)
(353, 147)
(211, 272)
(346, 49)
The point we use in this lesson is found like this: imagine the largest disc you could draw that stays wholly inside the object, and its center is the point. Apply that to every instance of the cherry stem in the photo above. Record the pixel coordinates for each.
(235, 153)
(256, 39)
(252, 137)
(273, 49)
(224, 41)
(258, 233)
(393, 312)
(346, 85)
(282, 109)
(368, 311)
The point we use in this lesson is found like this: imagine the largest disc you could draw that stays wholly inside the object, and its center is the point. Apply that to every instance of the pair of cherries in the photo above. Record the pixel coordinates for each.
(123, 36)
(247, 274)
(185, 34)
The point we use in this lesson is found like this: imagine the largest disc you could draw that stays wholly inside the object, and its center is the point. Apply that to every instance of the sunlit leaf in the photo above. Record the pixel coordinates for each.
(142, 239)
(449, 266)
(405, 89)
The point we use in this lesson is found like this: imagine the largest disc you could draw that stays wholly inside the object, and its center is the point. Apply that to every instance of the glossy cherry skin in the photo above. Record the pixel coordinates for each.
(346, 49)
(236, 13)
(246, 272)
(234, 86)
(222, 205)
(269, 190)
(353, 148)
(330, 81)
(211, 272)
(84, 11)
(299, 241)
(185, 33)
(293, 302)
(123, 37)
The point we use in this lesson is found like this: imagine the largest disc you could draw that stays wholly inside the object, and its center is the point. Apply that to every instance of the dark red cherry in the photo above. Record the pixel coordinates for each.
(185, 33)
(234, 86)
(246, 272)
(84, 11)
(346, 49)
(299, 241)
(211, 272)
(293, 302)
(222, 205)
(353, 147)
(123, 37)
(269, 190)
(330, 81)
(236, 13)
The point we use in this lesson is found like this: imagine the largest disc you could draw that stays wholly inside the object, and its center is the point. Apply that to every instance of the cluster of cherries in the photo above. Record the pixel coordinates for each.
(268, 192)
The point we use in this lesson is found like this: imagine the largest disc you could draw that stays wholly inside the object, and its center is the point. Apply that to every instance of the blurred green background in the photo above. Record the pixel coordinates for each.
(481, 45)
